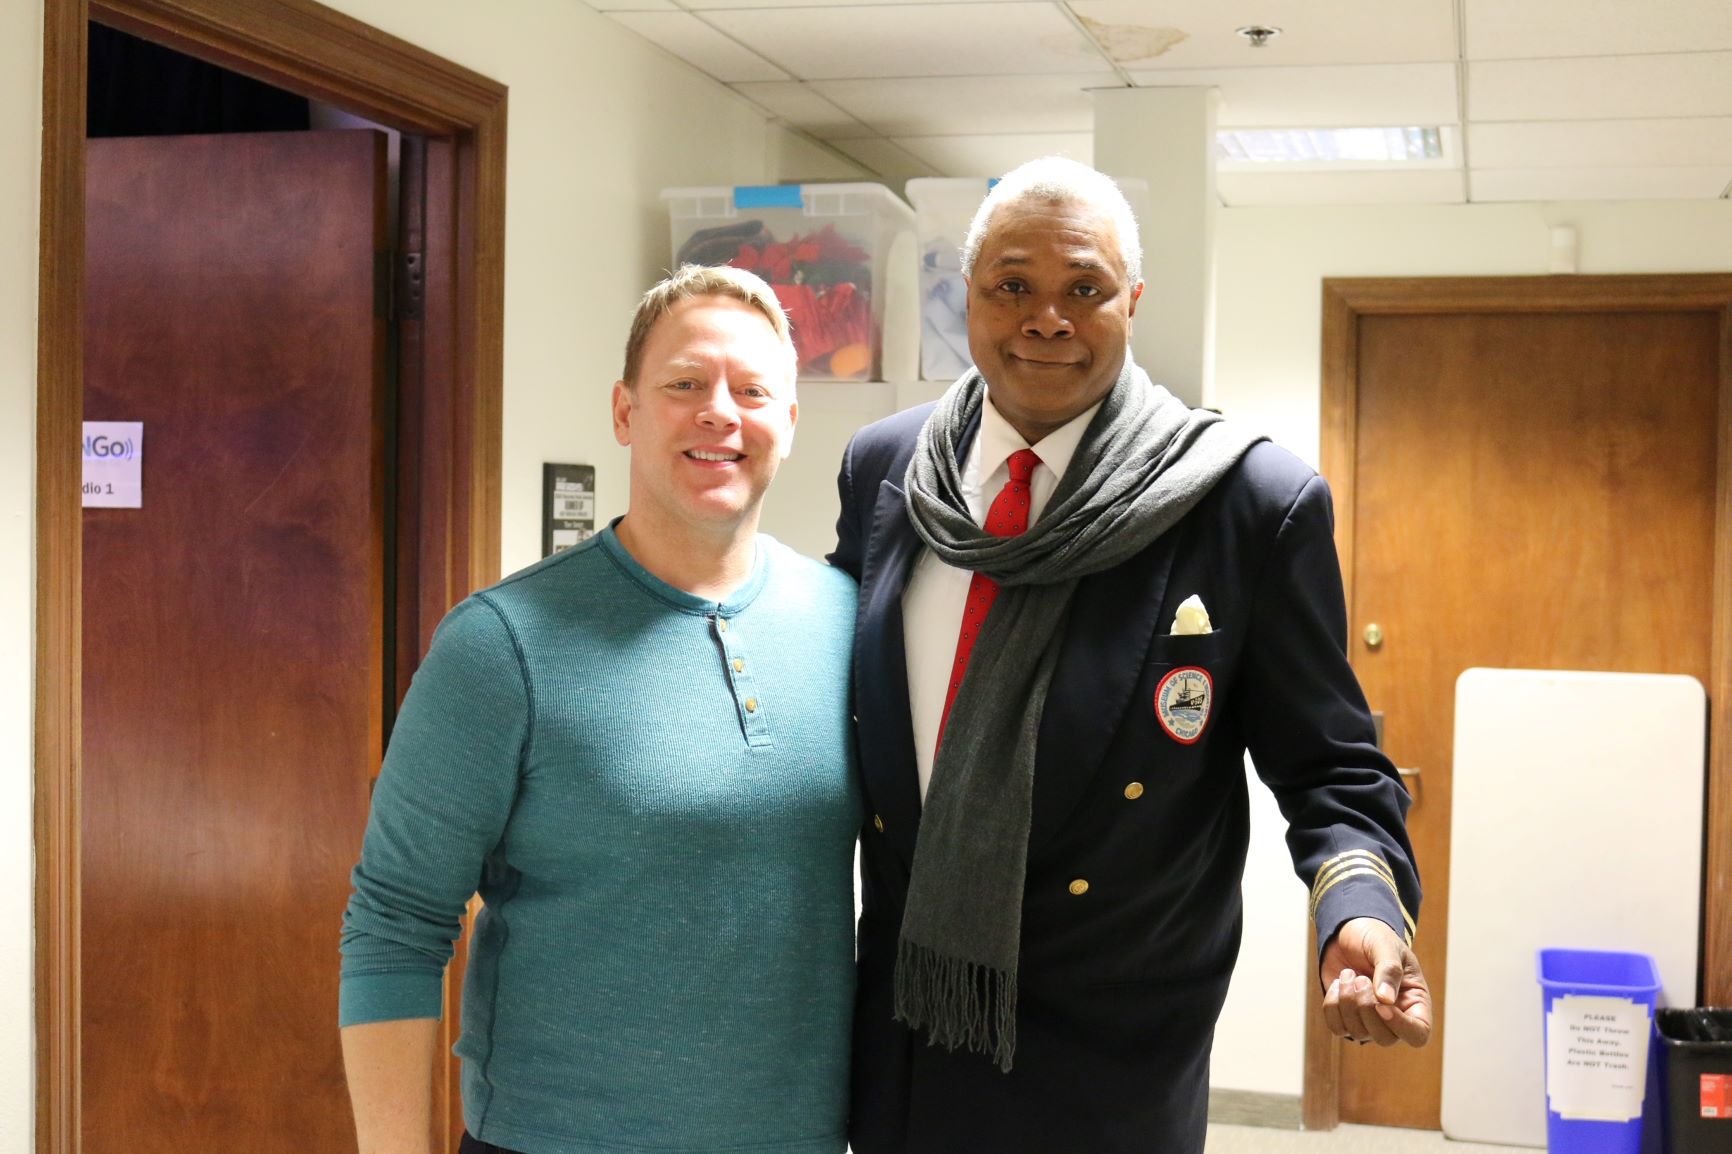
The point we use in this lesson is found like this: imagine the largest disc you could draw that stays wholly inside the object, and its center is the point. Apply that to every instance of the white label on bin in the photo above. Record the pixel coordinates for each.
(1596, 1058)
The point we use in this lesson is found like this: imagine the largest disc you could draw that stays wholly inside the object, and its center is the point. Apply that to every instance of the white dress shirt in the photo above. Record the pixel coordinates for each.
(937, 593)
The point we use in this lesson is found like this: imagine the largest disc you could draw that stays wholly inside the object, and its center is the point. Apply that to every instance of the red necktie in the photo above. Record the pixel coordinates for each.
(1008, 517)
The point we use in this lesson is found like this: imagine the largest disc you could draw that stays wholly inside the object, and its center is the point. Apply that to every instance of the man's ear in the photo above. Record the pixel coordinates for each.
(788, 437)
(1136, 295)
(622, 412)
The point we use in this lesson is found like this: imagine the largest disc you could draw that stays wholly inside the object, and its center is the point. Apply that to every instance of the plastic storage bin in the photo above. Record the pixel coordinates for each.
(943, 209)
(1598, 1019)
(824, 248)
(1696, 1056)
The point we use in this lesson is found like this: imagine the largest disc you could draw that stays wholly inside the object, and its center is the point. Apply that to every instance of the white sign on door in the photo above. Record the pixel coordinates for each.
(113, 464)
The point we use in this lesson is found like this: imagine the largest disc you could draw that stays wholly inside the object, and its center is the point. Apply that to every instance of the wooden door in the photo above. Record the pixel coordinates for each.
(1529, 490)
(422, 576)
(232, 641)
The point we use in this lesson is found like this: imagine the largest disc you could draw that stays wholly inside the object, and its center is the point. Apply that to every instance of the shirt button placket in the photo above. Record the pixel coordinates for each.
(754, 718)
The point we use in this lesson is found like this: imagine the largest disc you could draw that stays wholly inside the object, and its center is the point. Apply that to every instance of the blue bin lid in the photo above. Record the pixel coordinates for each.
(1597, 971)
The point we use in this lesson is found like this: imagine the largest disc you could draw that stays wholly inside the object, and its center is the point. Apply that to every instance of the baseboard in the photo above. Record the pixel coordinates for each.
(1254, 1108)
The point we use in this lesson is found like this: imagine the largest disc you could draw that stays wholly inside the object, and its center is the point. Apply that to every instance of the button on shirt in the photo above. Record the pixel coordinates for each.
(932, 604)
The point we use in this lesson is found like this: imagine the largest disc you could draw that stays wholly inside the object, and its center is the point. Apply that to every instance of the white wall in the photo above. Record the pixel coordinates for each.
(795, 157)
(1270, 266)
(20, 137)
(599, 122)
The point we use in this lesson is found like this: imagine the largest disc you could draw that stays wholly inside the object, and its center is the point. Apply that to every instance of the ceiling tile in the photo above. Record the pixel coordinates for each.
(842, 43)
(1244, 189)
(1701, 183)
(1141, 34)
(1602, 143)
(1353, 96)
(700, 46)
(889, 160)
(799, 105)
(968, 105)
(990, 156)
(1536, 29)
(1601, 87)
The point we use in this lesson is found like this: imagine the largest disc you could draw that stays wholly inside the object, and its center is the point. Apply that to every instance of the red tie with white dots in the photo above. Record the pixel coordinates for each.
(1008, 517)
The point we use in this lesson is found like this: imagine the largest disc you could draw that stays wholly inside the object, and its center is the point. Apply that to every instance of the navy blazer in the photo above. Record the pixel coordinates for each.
(1119, 986)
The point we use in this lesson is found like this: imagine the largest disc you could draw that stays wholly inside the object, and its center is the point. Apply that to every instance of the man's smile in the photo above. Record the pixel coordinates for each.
(1043, 363)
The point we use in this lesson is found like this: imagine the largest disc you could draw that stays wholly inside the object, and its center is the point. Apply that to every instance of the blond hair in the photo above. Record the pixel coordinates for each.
(691, 281)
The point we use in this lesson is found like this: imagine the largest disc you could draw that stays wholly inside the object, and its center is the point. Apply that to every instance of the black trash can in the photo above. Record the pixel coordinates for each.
(1696, 1051)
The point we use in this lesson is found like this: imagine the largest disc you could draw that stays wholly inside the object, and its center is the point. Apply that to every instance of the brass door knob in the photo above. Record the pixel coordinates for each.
(1373, 635)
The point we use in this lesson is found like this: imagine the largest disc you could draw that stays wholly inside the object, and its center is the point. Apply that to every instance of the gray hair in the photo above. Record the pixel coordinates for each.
(1056, 179)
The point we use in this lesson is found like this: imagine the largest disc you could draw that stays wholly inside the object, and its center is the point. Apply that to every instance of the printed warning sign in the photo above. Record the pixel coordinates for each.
(1597, 1058)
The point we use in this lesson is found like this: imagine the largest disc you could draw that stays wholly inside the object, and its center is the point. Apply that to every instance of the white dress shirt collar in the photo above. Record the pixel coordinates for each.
(998, 440)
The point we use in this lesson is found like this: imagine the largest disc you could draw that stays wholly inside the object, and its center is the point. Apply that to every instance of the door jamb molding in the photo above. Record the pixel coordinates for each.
(312, 50)
(1345, 300)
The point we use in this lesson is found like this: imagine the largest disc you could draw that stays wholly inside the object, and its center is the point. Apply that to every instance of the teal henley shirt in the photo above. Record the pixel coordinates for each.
(654, 795)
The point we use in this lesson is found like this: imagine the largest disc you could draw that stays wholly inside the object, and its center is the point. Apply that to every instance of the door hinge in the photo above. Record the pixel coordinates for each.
(412, 291)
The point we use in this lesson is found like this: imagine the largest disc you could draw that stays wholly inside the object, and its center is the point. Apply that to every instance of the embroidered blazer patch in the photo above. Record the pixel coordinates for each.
(1182, 702)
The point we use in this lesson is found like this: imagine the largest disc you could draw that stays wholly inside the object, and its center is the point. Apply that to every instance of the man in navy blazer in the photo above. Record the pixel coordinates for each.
(1224, 632)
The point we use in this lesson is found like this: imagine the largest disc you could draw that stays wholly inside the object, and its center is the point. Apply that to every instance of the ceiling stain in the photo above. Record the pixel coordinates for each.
(1130, 43)
(1068, 43)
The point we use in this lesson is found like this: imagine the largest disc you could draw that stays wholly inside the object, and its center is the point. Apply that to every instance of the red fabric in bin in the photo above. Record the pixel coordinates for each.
(822, 279)
(825, 318)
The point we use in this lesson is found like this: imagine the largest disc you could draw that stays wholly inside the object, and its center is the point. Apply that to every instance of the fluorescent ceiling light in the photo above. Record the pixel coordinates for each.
(1333, 148)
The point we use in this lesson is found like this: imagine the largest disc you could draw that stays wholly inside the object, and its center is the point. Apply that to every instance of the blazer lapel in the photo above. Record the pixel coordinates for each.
(1113, 618)
(881, 683)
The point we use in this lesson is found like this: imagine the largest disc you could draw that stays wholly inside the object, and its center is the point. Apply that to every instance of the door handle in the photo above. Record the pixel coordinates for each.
(1410, 779)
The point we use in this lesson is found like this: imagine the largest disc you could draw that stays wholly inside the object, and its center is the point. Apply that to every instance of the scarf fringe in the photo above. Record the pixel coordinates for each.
(957, 1002)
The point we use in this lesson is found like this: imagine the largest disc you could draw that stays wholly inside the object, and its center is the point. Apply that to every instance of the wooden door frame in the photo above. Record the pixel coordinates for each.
(1345, 300)
(314, 51)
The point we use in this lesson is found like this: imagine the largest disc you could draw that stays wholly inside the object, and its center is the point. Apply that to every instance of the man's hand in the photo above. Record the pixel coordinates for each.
(1374, 989)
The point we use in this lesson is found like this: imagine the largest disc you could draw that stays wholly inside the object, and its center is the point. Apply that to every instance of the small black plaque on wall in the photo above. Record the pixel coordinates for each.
(567, 506)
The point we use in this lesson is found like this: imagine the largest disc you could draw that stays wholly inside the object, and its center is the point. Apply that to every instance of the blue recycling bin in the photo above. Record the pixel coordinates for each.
(1598, 1018)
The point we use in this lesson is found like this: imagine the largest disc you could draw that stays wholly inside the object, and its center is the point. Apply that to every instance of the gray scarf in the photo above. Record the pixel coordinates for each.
(1144, 462)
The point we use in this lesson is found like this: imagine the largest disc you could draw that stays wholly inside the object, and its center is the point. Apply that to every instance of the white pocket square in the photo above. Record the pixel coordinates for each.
(1191, 617)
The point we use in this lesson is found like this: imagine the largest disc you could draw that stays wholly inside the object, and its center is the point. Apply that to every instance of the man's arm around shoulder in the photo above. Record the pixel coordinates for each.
(849, 545)
(876, 453)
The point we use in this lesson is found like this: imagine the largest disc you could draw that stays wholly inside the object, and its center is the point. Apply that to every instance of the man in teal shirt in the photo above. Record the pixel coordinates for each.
(638, 752)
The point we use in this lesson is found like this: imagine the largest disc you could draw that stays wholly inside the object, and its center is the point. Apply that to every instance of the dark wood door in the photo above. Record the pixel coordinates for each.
(233, 644)
(1534, 491)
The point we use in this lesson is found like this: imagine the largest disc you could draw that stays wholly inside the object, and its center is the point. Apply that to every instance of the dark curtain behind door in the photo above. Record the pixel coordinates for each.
(142, 89)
